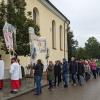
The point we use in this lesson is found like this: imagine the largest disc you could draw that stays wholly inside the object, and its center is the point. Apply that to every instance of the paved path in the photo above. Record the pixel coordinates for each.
(27, 85)
(90, 91)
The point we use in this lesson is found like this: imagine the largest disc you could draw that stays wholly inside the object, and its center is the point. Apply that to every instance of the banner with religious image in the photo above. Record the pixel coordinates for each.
(8, 31)
(39, 42)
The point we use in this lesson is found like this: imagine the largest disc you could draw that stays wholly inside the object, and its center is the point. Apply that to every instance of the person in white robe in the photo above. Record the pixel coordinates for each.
(15, 75)
(1, 72)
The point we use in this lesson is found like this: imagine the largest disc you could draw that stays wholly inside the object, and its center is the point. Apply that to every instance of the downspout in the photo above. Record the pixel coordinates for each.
(64, 39)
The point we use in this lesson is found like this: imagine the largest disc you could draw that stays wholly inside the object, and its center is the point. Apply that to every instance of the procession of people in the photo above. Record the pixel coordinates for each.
(75, 72)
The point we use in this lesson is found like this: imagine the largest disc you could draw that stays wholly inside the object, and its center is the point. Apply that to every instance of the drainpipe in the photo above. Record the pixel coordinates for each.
(64, 40)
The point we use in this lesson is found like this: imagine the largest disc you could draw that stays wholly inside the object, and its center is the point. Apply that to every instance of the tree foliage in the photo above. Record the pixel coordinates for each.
(16, 15)
(72, 45)
(81, 53)
(91, 49)
(2, 16)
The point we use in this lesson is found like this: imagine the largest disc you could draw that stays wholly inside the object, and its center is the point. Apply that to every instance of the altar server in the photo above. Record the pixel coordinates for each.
(15, 75)
(1, 72)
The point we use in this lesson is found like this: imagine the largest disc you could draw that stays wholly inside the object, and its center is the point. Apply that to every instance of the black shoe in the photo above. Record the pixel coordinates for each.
(36, 94)
(50, 88)
(58, 85)
(65, 86)
(13, 92)
(41, 92)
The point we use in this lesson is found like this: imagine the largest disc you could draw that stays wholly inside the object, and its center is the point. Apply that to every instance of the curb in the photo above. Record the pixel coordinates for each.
(21, 93)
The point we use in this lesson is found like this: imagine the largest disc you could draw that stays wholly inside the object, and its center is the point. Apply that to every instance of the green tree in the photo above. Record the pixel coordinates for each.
(2, 21)
(92, 47)
(72, 45)
(81, 53)
(10, 14)
(2, 16)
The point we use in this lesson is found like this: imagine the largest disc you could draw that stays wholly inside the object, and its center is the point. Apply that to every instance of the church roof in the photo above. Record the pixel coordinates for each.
(51, 7)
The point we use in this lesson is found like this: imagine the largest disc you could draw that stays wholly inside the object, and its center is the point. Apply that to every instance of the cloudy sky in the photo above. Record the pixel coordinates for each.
(84, 16)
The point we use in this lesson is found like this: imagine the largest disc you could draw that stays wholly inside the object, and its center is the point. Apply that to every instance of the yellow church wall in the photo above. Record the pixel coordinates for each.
(46, 17)
(45, 22)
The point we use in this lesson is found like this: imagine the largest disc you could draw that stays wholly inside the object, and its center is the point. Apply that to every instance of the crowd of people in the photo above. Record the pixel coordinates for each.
(76, 72)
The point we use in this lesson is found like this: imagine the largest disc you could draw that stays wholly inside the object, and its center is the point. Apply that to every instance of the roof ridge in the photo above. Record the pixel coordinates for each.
(48, 1)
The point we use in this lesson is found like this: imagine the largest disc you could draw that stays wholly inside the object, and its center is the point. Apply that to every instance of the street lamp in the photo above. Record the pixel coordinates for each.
(47, 55)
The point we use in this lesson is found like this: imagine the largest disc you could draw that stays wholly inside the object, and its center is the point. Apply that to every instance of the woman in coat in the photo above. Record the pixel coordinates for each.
(50, 74)
(93, 68)
(87, 70)
(57, 73)
(73, 70)
(80, 72)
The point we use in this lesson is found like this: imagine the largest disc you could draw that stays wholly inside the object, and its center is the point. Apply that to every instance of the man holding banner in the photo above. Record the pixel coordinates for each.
(9, 32)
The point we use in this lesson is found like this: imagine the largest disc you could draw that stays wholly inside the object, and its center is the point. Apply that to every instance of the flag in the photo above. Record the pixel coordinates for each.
(8, 36)
(33, 50)
(37, 44)
(8, 32)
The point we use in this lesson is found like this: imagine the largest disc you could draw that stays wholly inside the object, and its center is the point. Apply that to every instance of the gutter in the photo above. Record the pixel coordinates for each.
(64, 40)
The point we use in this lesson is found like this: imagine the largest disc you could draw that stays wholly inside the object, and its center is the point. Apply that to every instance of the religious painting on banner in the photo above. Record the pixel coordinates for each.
(37, 45)
(8, 36)
(40, 44)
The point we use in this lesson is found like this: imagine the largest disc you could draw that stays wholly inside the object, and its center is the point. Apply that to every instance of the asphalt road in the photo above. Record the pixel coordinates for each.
(90, 91)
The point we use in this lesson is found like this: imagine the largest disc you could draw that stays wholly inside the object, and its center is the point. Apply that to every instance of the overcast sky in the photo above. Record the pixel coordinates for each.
(84, 16)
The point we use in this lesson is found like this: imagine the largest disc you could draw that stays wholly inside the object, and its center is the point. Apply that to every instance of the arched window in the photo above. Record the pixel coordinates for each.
(36, 16)
(53, 34)
(61, 37)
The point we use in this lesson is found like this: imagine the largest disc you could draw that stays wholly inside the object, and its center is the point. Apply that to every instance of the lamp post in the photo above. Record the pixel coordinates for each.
(47, 55)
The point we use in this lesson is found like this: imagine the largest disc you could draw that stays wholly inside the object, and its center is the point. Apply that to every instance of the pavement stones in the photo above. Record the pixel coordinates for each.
(27, 86)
